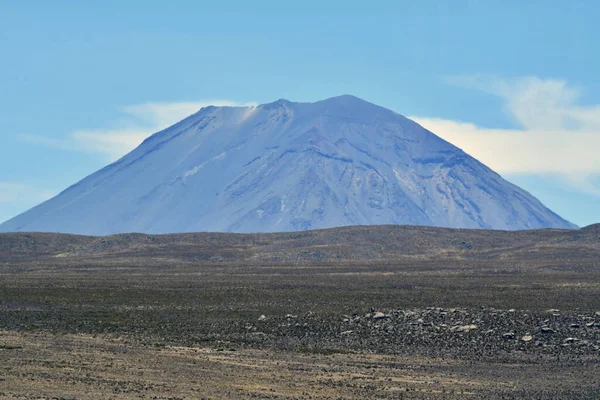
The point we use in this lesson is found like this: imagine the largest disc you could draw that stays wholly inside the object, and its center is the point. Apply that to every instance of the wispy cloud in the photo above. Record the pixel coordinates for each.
(17, 197)
(138, 122)
(12, 192)
(555, 134)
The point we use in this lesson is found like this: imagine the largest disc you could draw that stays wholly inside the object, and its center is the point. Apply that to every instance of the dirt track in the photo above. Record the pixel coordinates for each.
(86, 367)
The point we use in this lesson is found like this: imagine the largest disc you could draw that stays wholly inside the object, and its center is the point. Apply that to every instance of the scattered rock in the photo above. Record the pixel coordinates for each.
(545, 329)
(508, 335)
(527, 338)
(262, 318)
(466, 246)
(379, 315)
(466, 328)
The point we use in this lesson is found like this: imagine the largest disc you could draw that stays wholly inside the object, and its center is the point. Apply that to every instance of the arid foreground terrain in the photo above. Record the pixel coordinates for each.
(358, 312)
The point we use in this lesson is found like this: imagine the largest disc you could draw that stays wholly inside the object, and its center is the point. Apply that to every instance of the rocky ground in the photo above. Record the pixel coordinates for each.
(472, 316)
(484, 333)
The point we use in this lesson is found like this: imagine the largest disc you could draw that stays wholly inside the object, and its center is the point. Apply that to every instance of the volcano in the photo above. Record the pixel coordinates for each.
(287, 166)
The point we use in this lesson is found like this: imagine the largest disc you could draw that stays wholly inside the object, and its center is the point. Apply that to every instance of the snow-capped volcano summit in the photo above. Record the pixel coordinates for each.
(287, 166)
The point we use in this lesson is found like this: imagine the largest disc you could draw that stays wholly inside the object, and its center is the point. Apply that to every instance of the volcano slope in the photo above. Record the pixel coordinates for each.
(355, 312)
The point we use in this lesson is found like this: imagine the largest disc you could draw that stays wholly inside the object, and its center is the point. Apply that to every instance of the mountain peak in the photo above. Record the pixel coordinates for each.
(281, 103)
(286, 166)
(344, 99)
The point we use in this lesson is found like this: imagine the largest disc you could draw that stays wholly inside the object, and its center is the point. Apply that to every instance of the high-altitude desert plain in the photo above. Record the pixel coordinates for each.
(367, 312)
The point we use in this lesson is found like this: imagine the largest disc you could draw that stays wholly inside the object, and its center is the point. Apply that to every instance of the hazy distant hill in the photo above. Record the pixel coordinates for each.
(338, 245)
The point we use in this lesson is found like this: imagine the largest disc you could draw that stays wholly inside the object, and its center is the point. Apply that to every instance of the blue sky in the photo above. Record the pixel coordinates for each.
(513, 83)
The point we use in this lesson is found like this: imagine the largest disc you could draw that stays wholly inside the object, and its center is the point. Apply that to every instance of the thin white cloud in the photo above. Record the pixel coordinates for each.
(17, 197)
(523, 151)
(114, 143)
(556, 134)
(166, 114)
(13, 192)
(139, 122)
